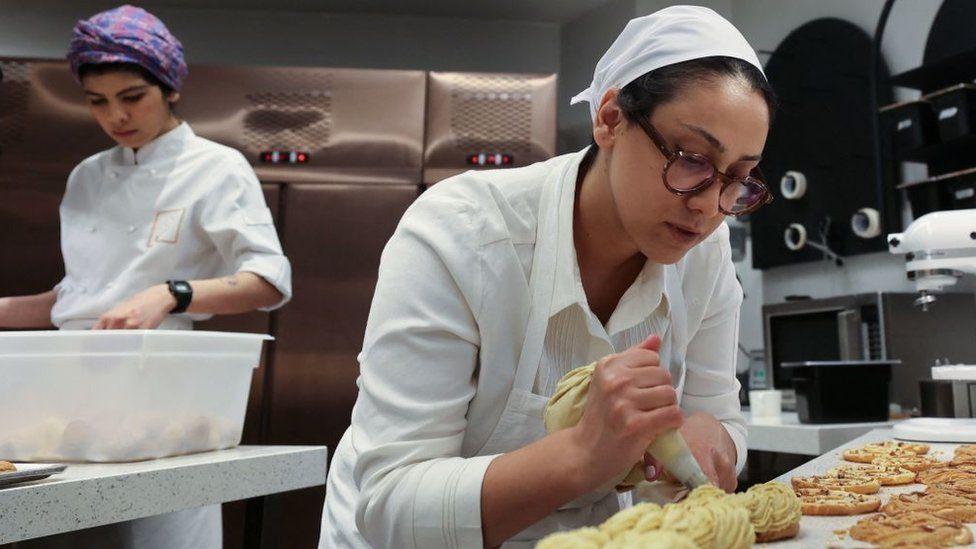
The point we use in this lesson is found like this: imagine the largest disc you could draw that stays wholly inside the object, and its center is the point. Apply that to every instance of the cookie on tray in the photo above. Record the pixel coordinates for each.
(869, 452)
(947, 473)
(821, 501)
(912, 463)
(6, 467)
(965, 451)
(858, 485)
(914, 529)
(940, 504)
(886, 475)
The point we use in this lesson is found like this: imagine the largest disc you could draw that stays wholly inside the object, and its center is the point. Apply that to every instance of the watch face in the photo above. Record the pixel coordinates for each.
(182, 286)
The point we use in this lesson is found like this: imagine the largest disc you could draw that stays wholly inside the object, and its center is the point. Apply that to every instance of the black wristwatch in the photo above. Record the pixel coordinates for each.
(183, 293)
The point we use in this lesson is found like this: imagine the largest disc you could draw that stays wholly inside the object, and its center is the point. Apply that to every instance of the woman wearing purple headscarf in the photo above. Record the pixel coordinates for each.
(160, 231)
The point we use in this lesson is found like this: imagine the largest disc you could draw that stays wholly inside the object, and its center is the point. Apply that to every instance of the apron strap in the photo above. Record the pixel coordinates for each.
(542, 280)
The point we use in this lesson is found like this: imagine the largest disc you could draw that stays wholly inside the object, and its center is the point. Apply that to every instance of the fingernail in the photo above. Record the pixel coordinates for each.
(650, 472)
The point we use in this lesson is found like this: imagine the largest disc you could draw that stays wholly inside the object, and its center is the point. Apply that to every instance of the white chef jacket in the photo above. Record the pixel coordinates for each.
(460, 283)
(181, 208)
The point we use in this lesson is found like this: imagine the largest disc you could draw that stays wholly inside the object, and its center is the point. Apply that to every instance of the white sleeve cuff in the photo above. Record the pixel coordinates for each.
(275, 269)
(738, 434)
(447, 505)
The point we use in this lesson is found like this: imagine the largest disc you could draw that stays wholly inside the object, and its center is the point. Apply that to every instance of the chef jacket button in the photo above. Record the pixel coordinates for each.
(91, 229)
(114, 175)
(110, 284)
(131, 229)
(152, 172)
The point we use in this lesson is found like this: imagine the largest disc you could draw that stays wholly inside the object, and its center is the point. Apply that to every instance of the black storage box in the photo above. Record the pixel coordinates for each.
(912, 125)
(955, 110)
(950, 191)
(842, 391)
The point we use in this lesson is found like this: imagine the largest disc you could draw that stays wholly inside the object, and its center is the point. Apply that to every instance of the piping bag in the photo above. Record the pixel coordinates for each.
(672, 451)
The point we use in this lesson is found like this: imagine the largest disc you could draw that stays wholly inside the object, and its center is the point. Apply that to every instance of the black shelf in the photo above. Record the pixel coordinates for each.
(960, 67)
(956, 175)
(964, 147)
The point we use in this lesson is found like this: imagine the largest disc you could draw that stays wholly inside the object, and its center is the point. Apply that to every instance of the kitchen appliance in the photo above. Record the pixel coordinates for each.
(865, 327)
(939, 248)
(841, 391)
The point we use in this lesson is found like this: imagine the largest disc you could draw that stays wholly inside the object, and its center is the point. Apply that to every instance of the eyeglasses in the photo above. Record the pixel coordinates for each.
(687, 173)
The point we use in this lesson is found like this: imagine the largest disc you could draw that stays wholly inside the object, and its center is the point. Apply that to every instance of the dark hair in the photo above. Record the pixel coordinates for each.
(106, 68)
(657, 87)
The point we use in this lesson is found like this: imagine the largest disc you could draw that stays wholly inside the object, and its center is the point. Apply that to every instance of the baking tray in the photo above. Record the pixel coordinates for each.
(30, 471)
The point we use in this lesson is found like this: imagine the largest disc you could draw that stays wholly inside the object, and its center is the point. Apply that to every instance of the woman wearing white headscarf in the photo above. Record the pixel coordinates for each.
(496, 284)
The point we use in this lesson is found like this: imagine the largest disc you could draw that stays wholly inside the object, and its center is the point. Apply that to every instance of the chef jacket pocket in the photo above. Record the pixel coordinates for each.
(166, 227)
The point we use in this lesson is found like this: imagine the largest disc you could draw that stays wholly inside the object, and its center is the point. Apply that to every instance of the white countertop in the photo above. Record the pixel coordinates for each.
(88, 495)
(786, 434)
(823, 531)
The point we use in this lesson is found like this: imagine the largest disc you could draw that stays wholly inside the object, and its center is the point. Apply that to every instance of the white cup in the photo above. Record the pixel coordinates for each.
(765, 403)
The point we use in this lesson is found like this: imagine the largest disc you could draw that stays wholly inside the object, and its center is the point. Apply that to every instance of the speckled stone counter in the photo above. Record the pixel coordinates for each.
(88, 495)
(786, 434)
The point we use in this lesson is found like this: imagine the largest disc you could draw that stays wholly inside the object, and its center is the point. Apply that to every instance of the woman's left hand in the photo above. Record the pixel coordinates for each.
(712, 446)
(144, 311)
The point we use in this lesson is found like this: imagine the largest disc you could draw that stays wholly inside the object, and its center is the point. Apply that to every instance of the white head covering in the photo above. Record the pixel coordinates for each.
(665, 37)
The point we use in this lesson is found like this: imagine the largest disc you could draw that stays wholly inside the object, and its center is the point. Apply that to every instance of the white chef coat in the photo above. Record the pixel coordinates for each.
(181, 208)
(469, 286)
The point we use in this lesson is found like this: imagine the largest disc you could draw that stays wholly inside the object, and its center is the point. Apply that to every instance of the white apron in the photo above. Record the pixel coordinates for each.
(521, 422)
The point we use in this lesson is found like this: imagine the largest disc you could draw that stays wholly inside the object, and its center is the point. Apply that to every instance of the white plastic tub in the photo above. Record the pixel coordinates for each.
(122, 395)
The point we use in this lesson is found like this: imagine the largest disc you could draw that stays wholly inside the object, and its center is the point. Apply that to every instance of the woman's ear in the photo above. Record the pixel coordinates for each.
(609, 120)
(172, 97)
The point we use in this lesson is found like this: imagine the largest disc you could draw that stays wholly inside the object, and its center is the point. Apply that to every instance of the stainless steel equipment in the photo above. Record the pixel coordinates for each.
(873, 326)
(480, 121)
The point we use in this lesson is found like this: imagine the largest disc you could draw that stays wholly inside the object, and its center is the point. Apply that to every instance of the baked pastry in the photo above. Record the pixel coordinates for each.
(940, 504)
(582, 538)
(914, 529)
(946, 473)
(656, 539)
(774, 510)
(821, 501)
(869, 452)
(912, 463)
(886, 475)
(7, 467)
(965, 451)
(858, 485)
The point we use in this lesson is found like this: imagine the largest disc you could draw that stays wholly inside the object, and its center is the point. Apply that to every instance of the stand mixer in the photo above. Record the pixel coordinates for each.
(939, 248)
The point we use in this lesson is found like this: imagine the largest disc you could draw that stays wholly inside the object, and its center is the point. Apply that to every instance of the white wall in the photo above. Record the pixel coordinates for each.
(42, 28)
(582, 43)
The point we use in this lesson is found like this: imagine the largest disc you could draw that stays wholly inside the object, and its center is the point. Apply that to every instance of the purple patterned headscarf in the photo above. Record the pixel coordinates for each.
(128, 35)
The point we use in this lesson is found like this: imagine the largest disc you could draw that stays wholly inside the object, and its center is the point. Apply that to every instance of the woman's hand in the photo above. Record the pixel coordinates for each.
(144, 311)
(712, 446)
(630, 402)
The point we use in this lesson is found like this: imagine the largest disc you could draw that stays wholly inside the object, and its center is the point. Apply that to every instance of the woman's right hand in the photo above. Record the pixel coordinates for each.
(629, 403)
